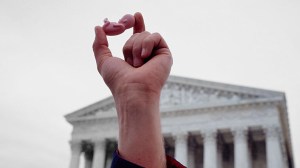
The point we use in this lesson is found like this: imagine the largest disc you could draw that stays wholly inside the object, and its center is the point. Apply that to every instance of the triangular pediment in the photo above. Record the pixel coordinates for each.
(180, 92)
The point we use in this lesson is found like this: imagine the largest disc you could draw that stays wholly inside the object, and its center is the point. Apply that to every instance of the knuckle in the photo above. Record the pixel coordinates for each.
(156, 34)
(145, 33)
(94, 46)
(126, 49)
(136, 49)
(148, 40)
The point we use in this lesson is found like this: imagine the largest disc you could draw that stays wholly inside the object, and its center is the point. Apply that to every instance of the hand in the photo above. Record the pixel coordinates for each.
(135, 71)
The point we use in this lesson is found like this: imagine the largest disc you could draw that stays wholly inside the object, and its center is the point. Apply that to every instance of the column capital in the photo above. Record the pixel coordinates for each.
(76, 145)
(239, 133)
(209, 134)
(99, 141)
(239, 129)
(75, 142)
(181, 136)
(272, 131)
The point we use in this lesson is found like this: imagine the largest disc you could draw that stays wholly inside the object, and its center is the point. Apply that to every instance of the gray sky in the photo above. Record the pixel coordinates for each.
(47, 67)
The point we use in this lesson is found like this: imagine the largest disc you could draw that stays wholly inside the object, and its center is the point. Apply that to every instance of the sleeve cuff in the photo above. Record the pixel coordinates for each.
(119, 162)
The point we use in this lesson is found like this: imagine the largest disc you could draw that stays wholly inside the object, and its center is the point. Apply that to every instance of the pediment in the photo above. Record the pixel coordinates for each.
(184, 92)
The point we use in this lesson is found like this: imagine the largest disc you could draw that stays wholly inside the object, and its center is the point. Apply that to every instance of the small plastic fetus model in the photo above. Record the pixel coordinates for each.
(114, 28)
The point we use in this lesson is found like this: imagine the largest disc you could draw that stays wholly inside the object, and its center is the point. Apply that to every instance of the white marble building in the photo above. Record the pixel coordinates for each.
(205, 125)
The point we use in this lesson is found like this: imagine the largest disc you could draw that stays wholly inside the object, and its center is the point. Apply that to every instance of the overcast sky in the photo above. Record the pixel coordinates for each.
(47, 67)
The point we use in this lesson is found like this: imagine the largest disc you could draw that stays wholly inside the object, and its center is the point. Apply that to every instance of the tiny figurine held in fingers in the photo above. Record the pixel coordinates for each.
(128, 21)
(114, 28)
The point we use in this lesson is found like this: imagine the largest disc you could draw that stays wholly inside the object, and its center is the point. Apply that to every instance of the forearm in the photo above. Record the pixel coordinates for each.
(140, 137)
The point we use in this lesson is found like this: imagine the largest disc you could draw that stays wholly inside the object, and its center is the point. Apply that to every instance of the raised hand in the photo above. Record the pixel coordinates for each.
(136, 83)
(147, 59)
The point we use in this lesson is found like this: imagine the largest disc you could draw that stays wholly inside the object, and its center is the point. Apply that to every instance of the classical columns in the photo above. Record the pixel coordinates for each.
(75, 153)
(99, 153)
(181, 147)
(274, 152)
(210, 148)
(241, 153)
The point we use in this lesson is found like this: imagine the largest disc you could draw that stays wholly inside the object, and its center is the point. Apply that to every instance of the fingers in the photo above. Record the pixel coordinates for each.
(156, 50)
(100, 47)
(139, 25)
(142, 46)
(137, 49)
(127, 49)
(132, 49)
(152, 41)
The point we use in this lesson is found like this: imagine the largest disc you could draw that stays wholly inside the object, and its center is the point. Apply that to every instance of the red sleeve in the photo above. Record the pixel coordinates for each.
(172, 163)
(119, 162)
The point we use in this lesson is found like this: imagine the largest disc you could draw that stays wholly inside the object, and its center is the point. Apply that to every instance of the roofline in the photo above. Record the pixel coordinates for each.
(224, 86)
(91, 107)
(176, 109)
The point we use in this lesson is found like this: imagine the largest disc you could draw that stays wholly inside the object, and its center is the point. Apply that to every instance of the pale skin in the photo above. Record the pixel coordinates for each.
(136, 84)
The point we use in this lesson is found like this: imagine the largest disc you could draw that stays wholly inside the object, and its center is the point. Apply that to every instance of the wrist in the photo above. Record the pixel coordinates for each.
(139, 123)
(136, 95)
(134, 105)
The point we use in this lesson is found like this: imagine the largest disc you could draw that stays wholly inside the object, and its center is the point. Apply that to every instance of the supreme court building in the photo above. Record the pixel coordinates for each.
(205, 125)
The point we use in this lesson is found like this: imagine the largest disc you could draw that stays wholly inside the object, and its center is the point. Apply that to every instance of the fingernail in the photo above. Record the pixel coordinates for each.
(144, 52)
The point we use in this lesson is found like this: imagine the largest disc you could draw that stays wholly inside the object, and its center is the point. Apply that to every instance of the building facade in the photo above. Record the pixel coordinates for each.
(205, 125)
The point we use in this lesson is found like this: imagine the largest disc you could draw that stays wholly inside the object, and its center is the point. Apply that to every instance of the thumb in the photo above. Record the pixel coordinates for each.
(100, 47)
(139, 25)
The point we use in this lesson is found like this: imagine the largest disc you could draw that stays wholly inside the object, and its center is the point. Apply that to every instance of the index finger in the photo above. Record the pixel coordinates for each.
(139, 25)
(100, 47)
